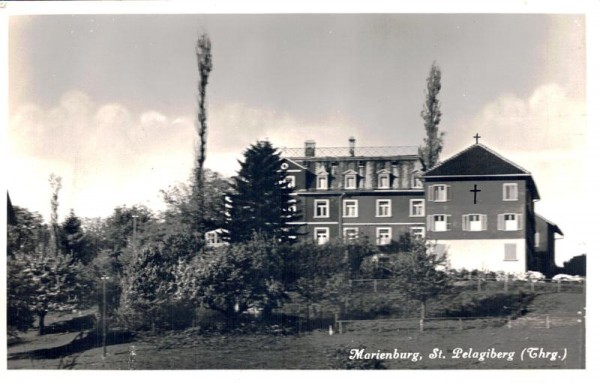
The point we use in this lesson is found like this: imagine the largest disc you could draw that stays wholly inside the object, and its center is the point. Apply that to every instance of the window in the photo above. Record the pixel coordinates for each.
(510, 222)
(322, 182)
(417, 231)
(350, 233)
(213, 238)
(416, 181)
(350, 208)
(417, 208)
(510, 252)
(384, 235)
(510, 192)
(384, 208)
(383, 181)
(474, 222)
(291, 181)
(321, 235)
(350, 181)
(438, 222)
(322, 208)
(439, 193)
(536, 239)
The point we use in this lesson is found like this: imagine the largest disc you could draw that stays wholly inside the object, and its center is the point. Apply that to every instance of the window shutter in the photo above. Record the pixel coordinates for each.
(430, 193)
(448, 226)
(448, 193)
(500, 221)
(519, 221)
(484, 222)
(429, 222)
(465, 222)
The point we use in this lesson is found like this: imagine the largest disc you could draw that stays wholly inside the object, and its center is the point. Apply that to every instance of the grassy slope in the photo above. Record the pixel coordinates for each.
(315, 350)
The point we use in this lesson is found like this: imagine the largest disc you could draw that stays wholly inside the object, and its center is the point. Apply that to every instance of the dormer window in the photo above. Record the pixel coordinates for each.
(383, 179)
(322, 182)
(416, 181)
(350, 179)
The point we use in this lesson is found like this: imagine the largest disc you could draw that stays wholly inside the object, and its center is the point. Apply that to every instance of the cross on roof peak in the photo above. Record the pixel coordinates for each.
(477, 137)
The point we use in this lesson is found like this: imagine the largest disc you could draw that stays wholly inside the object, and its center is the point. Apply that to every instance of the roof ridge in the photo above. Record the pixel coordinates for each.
(504, 158)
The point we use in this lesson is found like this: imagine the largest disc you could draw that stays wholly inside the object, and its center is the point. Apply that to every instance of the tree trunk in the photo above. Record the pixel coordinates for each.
(41, 317)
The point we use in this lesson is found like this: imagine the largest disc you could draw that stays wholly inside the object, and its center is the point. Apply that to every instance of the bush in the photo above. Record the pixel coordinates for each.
(482, 304)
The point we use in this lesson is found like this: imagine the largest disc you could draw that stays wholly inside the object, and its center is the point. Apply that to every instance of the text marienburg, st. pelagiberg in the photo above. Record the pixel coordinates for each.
(460, 353)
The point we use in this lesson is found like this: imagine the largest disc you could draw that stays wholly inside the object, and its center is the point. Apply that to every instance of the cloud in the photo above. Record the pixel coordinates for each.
(548, 119)
(106, 154)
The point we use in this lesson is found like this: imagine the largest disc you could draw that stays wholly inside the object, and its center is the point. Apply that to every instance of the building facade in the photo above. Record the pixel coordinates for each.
(477, 206)
(348, 192)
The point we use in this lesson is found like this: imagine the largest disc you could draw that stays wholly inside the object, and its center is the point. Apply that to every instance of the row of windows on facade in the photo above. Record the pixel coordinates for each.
(441, 193)
(384, 237)
(435, 222)
(351, 181)
(475, 222)
(383, 234)
(383, 208)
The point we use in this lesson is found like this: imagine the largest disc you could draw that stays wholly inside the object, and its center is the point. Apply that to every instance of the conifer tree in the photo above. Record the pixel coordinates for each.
(261, 202)
(429, 153)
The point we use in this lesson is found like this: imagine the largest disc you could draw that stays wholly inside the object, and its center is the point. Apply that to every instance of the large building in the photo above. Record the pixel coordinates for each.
(345, 192)
(477, 206)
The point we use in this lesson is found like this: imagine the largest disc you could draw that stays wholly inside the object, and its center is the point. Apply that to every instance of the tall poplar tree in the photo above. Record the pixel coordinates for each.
(261, 202)
(55, 185)
(429, 153)
(204, 59)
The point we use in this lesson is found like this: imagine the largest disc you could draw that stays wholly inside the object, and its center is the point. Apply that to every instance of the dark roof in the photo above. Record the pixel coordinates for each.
(551, 224)
(365, 151)
(476, 160)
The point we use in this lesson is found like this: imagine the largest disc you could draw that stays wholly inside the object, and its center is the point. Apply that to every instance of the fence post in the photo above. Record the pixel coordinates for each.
(478, 284)
(547, 321)
(421, 325)
(532, 287)
(460, 324)
(509, 323)
(341, 327)
(558, 287)
(506, 284)
(374, 285)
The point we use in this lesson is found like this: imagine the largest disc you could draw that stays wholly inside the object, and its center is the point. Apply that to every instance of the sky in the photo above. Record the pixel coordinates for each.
(108, 102)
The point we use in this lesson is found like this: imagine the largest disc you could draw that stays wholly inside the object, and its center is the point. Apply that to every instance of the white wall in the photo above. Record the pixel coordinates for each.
(484, 254)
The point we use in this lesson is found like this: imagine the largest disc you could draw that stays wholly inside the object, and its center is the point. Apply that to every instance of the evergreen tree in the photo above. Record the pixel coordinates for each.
(261, 202)
(73, 239)
(429, 153)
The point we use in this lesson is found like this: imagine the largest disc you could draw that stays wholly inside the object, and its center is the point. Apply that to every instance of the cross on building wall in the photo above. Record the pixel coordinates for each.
(475, 191)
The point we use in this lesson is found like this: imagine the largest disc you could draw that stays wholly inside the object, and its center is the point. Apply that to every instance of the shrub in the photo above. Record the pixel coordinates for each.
(481, 304)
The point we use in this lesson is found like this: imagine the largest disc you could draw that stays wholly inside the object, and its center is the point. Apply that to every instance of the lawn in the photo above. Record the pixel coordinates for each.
(319, 350)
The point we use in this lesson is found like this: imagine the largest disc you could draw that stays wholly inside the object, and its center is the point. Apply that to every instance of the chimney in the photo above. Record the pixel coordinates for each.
(309, 148)
(352, 145)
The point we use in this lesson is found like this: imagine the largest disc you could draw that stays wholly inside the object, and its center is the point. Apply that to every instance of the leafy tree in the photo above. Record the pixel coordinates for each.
(236, 278)
(148, 287)
(429, 153)
(420, 272)
(261, 200)
(38, 283)
(204, 59)
(118, 229)
(29, 234)
(181, 212)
